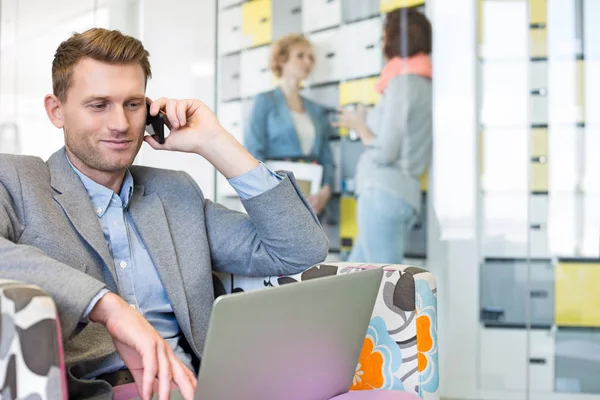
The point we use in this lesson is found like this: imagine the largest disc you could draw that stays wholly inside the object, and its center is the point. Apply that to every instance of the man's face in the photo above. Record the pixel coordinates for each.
(104, 115)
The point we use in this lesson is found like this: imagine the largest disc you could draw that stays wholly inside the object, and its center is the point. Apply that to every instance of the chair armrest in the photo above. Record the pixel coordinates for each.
(30, 338)
(403, 328)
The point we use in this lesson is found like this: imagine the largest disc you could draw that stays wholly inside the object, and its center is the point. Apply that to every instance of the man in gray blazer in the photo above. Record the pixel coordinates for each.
(126, 252)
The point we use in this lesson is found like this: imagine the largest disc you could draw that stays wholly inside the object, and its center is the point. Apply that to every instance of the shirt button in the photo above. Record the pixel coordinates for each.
(98, 211)
(123, 264)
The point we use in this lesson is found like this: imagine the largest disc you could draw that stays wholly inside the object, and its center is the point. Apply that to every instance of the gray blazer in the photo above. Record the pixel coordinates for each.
(51, 237)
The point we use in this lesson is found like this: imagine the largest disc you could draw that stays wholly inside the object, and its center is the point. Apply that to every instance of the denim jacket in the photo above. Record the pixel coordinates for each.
(270, 132)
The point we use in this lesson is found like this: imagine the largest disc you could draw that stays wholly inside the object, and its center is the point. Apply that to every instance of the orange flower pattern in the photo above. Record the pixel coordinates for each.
(379, 359)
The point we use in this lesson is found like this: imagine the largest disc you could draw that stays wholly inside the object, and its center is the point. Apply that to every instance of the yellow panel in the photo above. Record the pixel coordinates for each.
(358, 91)
(256, 21)
(576, 294)
(538, 45)
(539, 142)
(423, 179)
(347, 92)
(537, 11)
(390, 5)
(539, 177)
(348, 227)
(580, 88)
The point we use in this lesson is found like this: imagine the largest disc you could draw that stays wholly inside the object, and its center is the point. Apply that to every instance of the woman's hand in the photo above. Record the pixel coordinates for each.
(351, 119)
(356, 121)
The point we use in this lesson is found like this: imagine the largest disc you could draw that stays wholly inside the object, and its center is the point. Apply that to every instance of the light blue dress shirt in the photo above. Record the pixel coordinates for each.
(138, 281)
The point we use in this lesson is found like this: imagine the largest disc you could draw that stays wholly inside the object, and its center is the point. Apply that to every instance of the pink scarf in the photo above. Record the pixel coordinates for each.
(419, 64)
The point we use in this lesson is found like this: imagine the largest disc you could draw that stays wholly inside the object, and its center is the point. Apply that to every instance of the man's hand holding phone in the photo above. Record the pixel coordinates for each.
(194, 128)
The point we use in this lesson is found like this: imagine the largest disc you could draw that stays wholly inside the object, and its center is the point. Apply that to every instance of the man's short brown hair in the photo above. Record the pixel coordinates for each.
(280, 51)
(407, 32)
(99, 44)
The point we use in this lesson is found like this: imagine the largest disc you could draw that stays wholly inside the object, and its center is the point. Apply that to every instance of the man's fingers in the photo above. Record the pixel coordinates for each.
(158, 105)
(181, 377)
(181, 109)
(171, 111)
(153, 143)
(164, 372)
(150, 369)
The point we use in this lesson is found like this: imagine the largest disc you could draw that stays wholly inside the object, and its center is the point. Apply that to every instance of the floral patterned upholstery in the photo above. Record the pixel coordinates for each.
(31, 363)
(400, 348)
(399, 352)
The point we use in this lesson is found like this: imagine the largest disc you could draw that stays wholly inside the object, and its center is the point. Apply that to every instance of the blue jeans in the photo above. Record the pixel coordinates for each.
(383, 223)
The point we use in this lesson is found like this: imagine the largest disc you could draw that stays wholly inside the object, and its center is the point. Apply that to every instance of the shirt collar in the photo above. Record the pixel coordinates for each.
(101, 196)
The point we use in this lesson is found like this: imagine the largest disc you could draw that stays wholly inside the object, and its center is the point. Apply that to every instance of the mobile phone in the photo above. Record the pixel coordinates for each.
(155, 124)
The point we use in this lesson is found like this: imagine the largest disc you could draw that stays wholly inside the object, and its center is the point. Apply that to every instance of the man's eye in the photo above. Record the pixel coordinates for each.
(99, 106)
(134, 106)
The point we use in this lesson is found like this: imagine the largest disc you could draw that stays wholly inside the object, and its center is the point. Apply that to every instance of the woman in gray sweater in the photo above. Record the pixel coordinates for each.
(397, 135)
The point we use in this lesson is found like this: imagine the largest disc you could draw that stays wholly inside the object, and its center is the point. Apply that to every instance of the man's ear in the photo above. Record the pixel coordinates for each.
(54, 110)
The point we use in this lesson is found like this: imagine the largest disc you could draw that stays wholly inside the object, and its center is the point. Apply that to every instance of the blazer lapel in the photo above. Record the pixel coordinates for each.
(151, 222)
(75, 202)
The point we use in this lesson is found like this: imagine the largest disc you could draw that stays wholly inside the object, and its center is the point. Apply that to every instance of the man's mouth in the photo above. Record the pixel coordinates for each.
(117, 144)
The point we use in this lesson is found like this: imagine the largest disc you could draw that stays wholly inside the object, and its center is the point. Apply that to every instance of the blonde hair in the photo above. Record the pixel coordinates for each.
(280, 51)
(100, 44)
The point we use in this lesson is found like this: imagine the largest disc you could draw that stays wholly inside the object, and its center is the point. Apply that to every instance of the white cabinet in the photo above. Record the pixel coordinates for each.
(508, 231)
(320, 14)
(505, 160)
(328, 56)
(228, 3)
(362, 49)
(564, 158)
(504, 93)
(230, 117)
(504, 360)
(256, 75)
(498, 42)
(230, 31)
(565, 97)
(564, 34)
(591, 31)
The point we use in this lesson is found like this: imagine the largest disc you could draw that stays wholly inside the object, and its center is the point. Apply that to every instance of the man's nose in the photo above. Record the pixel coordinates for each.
(117, 120)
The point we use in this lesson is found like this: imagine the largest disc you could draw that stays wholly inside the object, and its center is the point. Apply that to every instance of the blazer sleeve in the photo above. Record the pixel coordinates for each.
(279, 235)
(255, 129)
(71, 290)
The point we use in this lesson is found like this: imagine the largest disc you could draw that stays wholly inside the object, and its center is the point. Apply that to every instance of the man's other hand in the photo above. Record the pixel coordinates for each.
(149, 358)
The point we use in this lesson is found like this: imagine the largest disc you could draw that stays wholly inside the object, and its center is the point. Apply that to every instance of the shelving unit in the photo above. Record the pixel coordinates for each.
(540, 242)
(348, 58)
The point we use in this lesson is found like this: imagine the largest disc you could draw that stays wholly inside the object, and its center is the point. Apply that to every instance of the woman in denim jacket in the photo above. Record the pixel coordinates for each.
(283, 124)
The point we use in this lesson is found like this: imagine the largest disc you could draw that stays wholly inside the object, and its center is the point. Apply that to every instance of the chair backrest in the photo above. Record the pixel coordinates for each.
(30, 344)
(400, 349)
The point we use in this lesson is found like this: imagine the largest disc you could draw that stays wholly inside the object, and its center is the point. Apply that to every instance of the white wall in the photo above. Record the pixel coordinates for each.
(179, 35)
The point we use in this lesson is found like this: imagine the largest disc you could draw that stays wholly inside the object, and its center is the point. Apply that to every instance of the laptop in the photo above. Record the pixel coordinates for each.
(298, 341)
